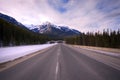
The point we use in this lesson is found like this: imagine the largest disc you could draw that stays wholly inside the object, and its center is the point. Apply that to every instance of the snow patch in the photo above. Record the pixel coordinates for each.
(11, 53)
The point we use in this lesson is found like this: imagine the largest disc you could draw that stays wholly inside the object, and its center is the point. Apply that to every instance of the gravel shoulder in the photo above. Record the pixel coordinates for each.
(113, 50)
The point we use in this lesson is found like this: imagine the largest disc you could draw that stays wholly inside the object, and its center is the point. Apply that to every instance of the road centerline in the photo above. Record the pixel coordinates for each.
(57, 64)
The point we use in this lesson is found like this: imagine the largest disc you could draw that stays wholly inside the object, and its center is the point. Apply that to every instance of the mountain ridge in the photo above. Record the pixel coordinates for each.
(12, 20)
(46, 28)
(54, 30)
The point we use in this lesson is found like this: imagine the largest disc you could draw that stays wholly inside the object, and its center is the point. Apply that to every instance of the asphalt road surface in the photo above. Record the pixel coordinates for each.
(62, 62)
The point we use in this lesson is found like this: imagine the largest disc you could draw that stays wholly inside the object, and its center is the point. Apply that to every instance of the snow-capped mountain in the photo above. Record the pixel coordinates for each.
(47, 28)
(34, 28)
(54, 30)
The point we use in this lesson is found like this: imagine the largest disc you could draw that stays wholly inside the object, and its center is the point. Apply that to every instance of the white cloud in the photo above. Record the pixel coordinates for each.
(78, 14)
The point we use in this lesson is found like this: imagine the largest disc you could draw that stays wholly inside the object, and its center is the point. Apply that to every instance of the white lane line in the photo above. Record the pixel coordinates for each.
(57, 65)
(57, 68)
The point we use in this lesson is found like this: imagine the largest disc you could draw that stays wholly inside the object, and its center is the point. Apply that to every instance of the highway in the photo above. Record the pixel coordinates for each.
(64, 62)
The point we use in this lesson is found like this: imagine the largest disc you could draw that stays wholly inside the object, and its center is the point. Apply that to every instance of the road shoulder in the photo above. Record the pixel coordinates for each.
(6, 65)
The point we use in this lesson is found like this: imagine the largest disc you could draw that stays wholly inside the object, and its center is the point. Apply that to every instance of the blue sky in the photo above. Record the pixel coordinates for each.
(83, 15)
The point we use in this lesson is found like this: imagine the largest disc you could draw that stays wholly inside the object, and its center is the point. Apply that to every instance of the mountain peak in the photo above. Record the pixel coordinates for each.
(54, 30)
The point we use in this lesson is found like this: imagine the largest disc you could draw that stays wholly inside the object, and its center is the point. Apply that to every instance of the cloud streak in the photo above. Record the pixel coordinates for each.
(84, 15)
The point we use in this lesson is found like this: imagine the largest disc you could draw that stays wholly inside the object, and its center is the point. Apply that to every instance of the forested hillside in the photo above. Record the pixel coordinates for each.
(11, 35)
(107, 38)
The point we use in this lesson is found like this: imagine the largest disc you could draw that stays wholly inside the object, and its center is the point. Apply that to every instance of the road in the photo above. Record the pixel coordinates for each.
(63, 62)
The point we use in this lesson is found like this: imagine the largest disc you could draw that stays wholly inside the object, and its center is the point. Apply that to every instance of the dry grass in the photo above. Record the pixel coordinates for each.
(100, 48)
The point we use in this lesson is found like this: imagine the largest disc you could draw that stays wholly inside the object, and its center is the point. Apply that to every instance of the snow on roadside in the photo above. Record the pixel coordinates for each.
(11, 53)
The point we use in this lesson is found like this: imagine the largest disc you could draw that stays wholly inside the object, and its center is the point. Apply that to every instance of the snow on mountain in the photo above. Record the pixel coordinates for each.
(31, 26)
(76, 31)
(45, 28)
(51, 29)
(34, 28)
(65, 28)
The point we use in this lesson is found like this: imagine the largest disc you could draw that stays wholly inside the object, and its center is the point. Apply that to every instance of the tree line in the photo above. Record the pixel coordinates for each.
(107, 38)
(11, 35)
